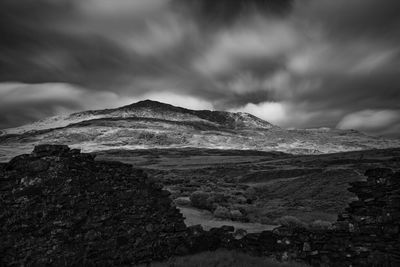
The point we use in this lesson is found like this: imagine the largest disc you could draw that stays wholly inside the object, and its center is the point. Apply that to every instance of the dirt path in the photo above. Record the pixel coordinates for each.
(195, 216)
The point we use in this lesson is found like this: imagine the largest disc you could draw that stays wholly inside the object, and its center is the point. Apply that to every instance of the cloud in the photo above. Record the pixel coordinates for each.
(275, 113)
(22, 103)
(117, 8)
(158, 35)
(289, 115)
(142, 27)
(179, 100)
(260, 38)
(385, 122)
(225, 12)
(310, 63)
(356, 19)
(375, 61)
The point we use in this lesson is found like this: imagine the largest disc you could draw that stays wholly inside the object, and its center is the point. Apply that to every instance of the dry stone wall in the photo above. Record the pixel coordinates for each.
(59, 207)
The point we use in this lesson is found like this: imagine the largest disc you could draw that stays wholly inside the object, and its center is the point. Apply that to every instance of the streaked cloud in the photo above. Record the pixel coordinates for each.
(296, 63)
(376, 121)
(23, 103)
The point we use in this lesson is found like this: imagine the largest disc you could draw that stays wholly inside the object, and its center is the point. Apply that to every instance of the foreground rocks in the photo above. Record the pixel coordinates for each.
(59, 207)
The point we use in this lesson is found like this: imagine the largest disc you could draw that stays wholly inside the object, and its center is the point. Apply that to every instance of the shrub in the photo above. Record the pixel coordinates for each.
(222, 213)
(199, 199)
(218, 198)
(291, 222)
(320, 225)
(250, 193)
(182, 201)
(236, 215)
(240, 200)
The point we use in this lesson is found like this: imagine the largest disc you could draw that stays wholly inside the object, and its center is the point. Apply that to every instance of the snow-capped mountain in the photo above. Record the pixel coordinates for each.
(150, 124)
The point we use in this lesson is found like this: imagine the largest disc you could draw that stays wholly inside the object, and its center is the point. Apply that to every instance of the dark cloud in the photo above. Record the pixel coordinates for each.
(227, 11)
(42, 41)
(255, 97)
(357, 18)
(297, 63)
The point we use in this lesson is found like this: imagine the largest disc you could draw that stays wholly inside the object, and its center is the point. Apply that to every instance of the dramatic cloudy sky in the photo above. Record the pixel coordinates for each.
(295, 63)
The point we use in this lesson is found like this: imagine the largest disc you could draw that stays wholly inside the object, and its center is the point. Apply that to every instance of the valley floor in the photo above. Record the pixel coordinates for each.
(255, 190)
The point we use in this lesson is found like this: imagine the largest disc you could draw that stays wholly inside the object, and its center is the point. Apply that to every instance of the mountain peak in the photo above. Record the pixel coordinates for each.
(147, 103)
(158, 110)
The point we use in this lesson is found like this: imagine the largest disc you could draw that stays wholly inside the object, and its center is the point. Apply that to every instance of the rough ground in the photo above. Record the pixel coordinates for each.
(263, 186)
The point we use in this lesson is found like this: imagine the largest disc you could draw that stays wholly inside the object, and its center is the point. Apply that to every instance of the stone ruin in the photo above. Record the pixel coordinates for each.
(59, 207)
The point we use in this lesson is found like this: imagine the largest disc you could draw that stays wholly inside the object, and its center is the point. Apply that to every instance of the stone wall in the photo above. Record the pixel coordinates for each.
(59, 207)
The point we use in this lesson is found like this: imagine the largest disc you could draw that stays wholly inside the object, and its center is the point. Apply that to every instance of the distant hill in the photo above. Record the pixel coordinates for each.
(152, 124)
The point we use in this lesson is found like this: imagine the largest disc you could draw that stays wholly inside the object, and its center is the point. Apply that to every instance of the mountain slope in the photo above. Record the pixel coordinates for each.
(149, 109)
(151, 124)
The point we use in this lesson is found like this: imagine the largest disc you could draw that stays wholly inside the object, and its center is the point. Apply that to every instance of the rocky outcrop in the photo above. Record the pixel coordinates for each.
(59, 207)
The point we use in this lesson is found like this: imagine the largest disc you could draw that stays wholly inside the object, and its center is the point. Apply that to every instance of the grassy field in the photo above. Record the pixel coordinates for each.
(257, 187)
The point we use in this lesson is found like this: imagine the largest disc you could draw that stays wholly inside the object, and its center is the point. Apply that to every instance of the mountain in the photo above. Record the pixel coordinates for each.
(151, 110)
(151, 124)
